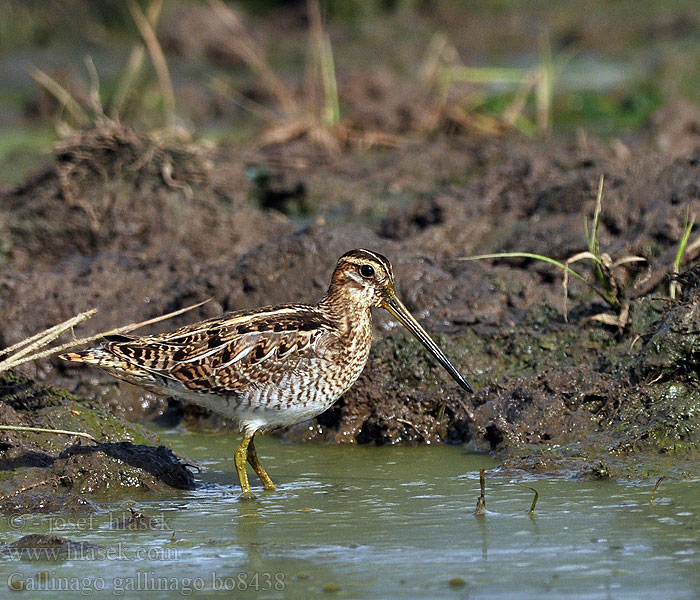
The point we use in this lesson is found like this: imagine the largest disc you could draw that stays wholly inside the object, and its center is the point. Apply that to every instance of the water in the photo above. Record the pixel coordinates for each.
(367, 522)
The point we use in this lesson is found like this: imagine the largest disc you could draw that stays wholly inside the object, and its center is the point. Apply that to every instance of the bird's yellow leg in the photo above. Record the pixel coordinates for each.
(240, 458)
(258, 468)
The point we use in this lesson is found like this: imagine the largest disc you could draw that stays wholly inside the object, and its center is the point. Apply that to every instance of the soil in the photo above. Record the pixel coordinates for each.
(139, 246)
(41, 472)
(137, 225)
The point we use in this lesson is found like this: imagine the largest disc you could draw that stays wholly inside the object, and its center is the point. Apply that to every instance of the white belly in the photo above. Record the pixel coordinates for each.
(266, 407)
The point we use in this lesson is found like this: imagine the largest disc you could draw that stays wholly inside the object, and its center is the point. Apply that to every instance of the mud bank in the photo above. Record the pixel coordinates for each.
(137, 227)
(41, 472)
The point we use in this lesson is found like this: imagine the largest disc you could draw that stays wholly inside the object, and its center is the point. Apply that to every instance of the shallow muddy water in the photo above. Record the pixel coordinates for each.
(376, 522)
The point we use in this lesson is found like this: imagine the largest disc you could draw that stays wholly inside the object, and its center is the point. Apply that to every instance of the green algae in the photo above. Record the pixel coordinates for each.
(124, 461)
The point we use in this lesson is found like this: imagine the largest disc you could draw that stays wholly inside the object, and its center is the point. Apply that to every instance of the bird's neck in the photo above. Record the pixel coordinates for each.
(341, 305)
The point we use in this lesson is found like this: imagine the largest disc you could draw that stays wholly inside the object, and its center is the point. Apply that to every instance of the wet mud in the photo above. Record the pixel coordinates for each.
(136, 227)
(43, 472)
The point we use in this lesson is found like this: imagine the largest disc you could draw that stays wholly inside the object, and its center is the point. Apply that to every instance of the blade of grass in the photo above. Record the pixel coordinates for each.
(674, 286)
(44, 430)
(462, 74)
(60, 328)
(159, 63)
(545, 86)
(323, 55)
(134, 64)
(251, 54)
(41, 339)
(516, 108)
(609, 297)
(542, 258)
(62, 95)
(95, 101)
(8, 364)
(225, 88)
(592, 237)
(331, 112)
(427, 73)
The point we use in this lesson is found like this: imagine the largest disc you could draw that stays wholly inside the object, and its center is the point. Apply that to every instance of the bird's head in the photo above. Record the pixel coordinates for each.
(366, 279)
(365, 276)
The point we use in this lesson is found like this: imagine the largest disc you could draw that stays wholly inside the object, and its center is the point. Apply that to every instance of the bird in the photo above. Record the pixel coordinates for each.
(270, 367)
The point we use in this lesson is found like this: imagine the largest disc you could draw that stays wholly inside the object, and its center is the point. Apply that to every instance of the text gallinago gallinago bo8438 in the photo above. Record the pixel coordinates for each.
(274, 366)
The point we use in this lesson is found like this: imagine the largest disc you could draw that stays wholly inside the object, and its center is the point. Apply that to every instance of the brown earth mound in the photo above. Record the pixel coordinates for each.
(138, 227)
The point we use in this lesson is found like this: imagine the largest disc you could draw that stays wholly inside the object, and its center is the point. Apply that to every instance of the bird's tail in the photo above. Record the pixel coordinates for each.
(112, 364)
(93, 356)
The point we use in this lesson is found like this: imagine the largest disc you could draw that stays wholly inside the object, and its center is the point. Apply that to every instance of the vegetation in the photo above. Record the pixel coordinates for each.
(608, 286)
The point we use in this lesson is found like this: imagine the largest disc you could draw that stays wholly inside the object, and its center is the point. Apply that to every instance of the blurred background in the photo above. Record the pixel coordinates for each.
(346, 73)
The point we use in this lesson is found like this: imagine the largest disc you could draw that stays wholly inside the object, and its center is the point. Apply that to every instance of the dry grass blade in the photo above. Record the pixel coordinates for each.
(544, 88)
(68, 345)
(575, 258)
(606, 319)
(226, 90)
(95, 101)
(430, 66)
(40, 339)
(248, 50)
(87, 436)
(159, 63)
(324, 64)
(626, 260)
(49, 333)
(62, 95)
(135, 62)
(364, 139)
(286, 131)
(516, 108)
(620, 320)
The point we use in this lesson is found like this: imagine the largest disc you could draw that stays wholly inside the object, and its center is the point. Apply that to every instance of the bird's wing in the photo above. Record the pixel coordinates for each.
(229, 354)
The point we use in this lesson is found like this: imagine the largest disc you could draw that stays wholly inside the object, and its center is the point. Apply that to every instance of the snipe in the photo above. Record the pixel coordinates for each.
(274, 366)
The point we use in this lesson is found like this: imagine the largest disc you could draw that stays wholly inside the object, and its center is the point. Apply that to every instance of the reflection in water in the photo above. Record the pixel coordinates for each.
(481, 522)
(384, 522)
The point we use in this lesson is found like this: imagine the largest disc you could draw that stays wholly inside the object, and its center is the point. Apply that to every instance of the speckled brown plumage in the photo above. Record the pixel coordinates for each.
(270, 367)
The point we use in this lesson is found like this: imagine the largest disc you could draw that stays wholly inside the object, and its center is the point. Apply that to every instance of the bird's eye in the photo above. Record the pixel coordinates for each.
(367, 271)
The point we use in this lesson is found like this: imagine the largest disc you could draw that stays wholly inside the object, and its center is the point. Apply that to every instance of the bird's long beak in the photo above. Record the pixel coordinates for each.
(396, 308)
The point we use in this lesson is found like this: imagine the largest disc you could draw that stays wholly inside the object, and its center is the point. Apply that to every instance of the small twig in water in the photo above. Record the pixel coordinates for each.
(481, 501)
(534, 500)
(656, 487)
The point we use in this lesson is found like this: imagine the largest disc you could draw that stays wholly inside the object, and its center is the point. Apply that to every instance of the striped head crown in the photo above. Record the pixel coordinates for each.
(366, 275)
